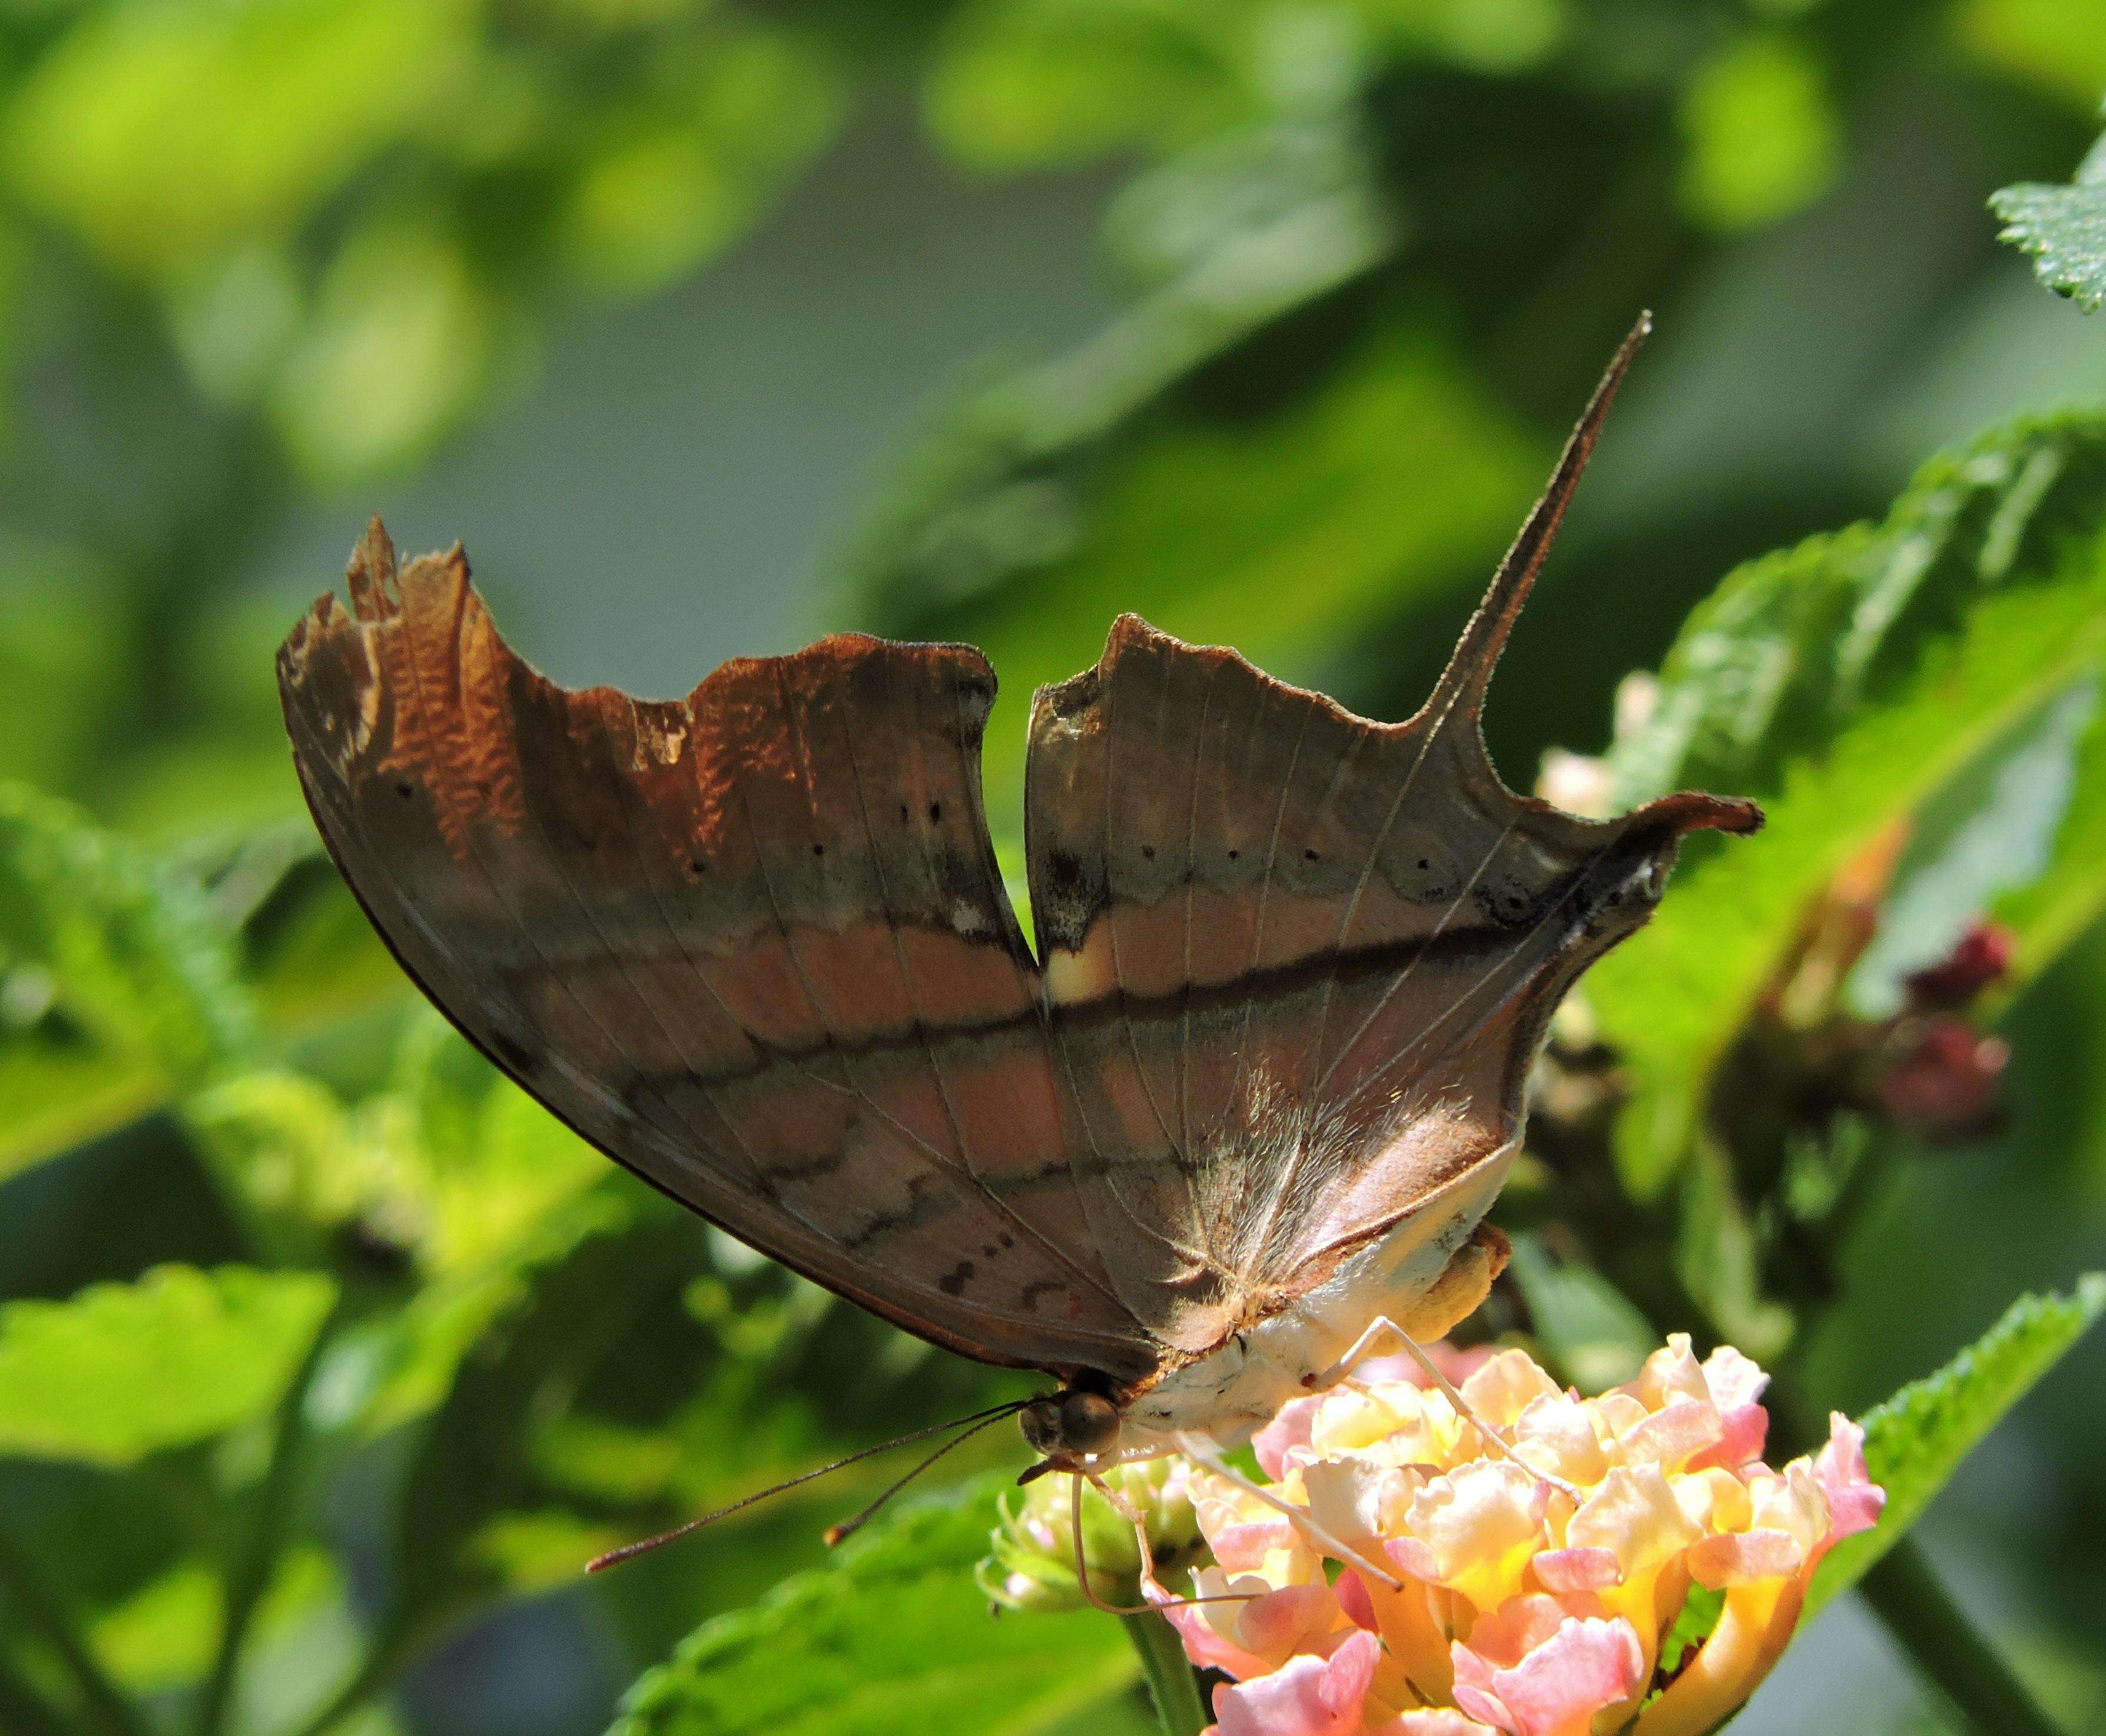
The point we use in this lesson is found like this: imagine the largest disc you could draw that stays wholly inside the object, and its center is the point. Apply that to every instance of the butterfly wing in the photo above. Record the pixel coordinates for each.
(1300, 962)
(752, 944)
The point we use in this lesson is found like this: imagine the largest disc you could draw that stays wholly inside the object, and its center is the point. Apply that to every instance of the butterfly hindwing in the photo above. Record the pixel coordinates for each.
(1299, 962)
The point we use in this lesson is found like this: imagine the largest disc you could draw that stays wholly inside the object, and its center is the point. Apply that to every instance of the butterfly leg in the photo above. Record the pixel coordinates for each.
(1133, 1515)
(1202, 1451)
(1147, 1560)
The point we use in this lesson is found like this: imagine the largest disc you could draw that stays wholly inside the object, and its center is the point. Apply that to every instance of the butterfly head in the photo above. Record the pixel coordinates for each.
(1071, 1428)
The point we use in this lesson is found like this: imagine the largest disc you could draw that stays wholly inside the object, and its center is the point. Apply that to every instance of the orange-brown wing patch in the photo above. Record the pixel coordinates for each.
(752, 944)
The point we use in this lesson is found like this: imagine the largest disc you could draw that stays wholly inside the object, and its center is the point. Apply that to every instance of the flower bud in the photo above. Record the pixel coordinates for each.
(1031, 1563)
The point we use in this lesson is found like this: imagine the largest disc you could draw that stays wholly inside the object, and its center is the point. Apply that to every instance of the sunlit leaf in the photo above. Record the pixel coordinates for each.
(1843, 682)
(1988, 833)
(1916, 1439)
(121, 1371)
(165, 1634)
(1763, 136)
(2050, 913)
(1056, 81)
(689, 162)
(404, 339)
(2064, 228)
(162, 132)
(2050, 44)
(117, 988)
(892, 1639)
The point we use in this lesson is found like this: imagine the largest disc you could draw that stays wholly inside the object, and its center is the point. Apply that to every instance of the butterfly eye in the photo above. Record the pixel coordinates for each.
(1040, 1419)
(1089, 1423)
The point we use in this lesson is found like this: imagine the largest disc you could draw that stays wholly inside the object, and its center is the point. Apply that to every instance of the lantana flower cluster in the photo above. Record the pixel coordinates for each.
(1534, 1599)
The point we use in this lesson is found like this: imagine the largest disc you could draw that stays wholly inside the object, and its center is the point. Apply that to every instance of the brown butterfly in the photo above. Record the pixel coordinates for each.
(1255, 1091)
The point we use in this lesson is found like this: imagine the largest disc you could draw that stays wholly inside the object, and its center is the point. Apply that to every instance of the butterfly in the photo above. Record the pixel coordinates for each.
(1256, 1088)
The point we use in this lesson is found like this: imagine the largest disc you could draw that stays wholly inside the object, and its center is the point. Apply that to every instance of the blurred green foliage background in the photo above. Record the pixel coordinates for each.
(710, 326)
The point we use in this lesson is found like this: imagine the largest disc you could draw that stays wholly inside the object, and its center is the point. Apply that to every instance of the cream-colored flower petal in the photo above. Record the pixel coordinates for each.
(1556, 1433)
(1506, 1386)
(1714, 1499)
(1793, 1503)
(1359, 1500)
(1669, 1373)
(1681, 1431)
(1436, 1720)
(1478, 1525)
(1633, 1515)
(1732, 1379)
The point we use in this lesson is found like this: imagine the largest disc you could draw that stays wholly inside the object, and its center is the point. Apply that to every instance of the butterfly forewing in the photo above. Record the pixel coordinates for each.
(752, 945)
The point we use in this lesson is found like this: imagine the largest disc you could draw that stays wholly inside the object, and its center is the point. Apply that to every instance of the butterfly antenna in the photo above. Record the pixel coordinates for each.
(977, 1421)
(847, 1528)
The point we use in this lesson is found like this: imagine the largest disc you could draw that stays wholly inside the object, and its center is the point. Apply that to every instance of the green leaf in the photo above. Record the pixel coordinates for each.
(121, 1371)
(1916, 1440)
(2053, 912)
(161, 133)
(891, 1639)
(1763, 139)
(474, 1464)
(117, 987)
(1843, 682)
(1594, 1334)
(2064, 228)
(1990, 832)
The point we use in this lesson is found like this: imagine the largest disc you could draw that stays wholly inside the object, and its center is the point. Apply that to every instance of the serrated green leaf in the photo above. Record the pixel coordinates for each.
(117, 987)
(121, 1371)
(2053, 912)
(2064, 228)
(1916, 1439)
(891, 1639)
(1989, 832)
(1842, 682)
(474, 1463)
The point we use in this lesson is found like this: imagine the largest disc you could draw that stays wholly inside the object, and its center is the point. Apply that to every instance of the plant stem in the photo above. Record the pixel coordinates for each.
(248, 1575)
(108, 1709)
(1170, 1682)
(1944, 1643)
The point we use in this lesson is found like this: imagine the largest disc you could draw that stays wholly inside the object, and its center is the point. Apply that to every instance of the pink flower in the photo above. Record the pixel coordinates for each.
(1539, 1549)
(1535, 1669)
(1855, 1502)
(1304, 1697)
